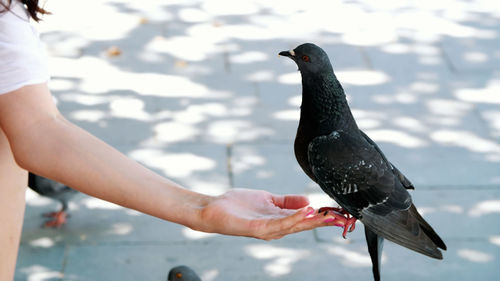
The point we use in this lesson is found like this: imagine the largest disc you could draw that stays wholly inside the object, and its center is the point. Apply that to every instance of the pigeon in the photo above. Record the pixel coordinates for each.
(55, 190)
(182, 273)
(351, 168)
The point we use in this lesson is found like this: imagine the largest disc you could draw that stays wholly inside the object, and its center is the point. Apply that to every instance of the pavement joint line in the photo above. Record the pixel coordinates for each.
(484, 124)
(229, 155)
(366, 58)
(449, 63)
(65, 260)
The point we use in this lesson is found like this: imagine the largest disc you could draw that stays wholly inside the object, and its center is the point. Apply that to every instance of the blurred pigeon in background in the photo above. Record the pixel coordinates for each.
(182, 273)
(350, 167)
(55, 190)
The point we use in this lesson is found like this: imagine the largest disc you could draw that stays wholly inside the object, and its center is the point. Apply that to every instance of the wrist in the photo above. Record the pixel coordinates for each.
(202, 218)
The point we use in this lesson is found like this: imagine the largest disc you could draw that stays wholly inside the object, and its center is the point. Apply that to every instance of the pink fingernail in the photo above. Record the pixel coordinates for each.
(329, 220)
(310, 212)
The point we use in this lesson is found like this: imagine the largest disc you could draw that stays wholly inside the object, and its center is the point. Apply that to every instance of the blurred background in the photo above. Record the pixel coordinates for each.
(195, 91)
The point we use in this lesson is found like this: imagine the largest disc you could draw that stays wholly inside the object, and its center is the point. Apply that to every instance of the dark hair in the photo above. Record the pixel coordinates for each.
(32, 6)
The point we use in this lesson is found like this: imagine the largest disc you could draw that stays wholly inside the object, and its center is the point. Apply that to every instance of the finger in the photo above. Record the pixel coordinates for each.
(276, 228)
(309, 223)
(284, 224)
(290, 201)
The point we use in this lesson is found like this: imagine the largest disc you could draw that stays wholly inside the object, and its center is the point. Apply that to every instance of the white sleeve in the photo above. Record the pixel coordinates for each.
(22, 56)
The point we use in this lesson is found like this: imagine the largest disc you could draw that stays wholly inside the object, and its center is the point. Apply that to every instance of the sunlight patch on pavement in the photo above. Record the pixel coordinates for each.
(493, 119)
(495, 240)
(99, 27)
(175, 132)
(352, 258)
(43, 242)
(88, 115)
(281, 259)
(362, 77)
(40, 273)
(195, 235)
(410, 124)
(33, 199)
(98, 76)
(448, 107)
(121, 228)
(292, 78)
(466, 140)
(424, 87)
(247, 160)
(261, 76)
(488, 94)
(95, 203)
(173, 164)
(225, 131)
(474, 255)
(485, 208)
(209, 275)
(287, 115)
(249, 57)
(131, 108)
(396, 137)
(193, 15)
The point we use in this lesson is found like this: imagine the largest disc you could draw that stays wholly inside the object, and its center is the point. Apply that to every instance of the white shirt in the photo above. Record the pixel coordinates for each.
(22, 56)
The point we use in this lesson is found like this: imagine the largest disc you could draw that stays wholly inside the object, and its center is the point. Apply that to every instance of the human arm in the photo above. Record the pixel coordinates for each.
(37, 132)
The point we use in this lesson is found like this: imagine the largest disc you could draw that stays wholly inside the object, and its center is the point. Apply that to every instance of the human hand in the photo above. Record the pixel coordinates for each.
(260, 214)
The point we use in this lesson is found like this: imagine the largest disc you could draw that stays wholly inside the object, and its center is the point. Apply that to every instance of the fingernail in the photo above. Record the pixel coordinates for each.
(329, 220)
(310, 211)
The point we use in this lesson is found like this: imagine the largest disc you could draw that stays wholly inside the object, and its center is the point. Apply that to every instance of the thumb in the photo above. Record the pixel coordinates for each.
(290, 201)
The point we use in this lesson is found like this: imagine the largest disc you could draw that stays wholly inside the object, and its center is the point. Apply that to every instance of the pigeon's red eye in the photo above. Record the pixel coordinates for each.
(305, 58)
(178, 275)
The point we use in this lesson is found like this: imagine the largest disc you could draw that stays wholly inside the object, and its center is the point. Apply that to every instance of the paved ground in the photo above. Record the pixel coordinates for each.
(198, 94)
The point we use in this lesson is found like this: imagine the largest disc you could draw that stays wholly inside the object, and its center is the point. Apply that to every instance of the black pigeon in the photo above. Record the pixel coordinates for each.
(55, 190)
(182, 273)
(350, 167)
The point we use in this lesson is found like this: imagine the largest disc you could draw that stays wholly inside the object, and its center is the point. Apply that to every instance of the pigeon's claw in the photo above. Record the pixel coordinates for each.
(348, 221)
(349, 226)
(58, 219)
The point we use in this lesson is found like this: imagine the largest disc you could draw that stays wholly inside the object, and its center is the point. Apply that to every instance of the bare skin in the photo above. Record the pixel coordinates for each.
(13, 181)
(36, 131)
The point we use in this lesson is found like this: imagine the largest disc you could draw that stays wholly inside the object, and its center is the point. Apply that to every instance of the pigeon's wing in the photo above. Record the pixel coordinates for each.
(405, 181)
(356, 175)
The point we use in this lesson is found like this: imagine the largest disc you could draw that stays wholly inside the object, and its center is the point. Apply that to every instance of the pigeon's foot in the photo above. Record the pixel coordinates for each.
(59, 219)
(349, 222)
(349, 226)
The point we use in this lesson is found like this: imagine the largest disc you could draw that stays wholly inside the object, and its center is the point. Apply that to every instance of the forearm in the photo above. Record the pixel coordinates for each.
(76, 158)
(50, 146)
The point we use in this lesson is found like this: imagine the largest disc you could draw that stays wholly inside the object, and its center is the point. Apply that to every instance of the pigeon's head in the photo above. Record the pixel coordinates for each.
(310, 59)
(182, 273)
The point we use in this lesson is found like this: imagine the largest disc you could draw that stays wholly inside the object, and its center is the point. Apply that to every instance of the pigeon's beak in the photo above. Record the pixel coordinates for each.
(290, 54)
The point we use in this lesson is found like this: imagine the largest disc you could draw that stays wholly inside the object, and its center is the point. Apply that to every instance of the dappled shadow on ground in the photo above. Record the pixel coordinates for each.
(197, 93)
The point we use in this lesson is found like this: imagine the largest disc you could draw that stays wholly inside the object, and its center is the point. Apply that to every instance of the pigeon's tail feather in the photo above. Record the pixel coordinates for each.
(375, 244)
(428, 229)
(408, 229)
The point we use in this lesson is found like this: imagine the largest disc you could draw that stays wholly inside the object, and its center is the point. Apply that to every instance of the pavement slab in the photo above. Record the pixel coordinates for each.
(195, 91)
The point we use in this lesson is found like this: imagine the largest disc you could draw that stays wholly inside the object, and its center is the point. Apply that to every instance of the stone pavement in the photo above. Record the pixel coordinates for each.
(195, 91)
